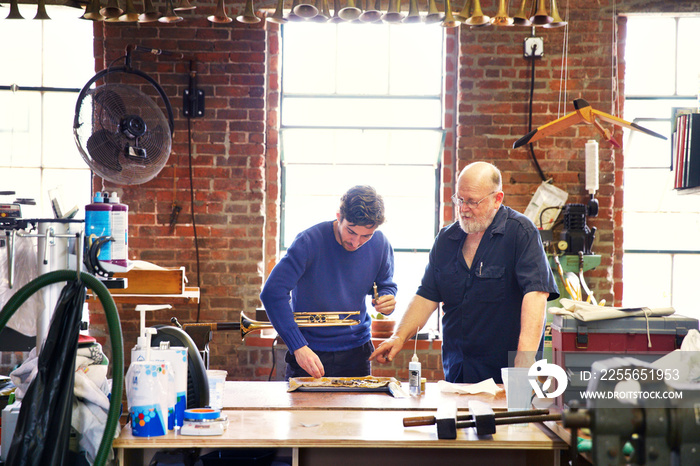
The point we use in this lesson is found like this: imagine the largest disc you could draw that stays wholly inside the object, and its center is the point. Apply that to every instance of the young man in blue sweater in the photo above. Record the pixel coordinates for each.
(332, 267)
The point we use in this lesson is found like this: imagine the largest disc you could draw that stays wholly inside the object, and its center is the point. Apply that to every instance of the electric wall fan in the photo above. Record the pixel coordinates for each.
(122, 134)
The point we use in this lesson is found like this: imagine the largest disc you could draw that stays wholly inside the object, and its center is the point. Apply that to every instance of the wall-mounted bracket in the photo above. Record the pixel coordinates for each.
(533, 47)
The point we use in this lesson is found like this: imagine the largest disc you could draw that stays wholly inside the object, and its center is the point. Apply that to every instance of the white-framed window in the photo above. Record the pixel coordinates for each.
(362, 104)
(661, 224)
(44, 65)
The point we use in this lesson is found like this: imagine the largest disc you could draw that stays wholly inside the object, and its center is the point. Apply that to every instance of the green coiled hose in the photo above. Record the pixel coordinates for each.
(115, 335)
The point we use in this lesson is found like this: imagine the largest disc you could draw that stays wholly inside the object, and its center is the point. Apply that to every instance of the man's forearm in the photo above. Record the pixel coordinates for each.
(532, 318)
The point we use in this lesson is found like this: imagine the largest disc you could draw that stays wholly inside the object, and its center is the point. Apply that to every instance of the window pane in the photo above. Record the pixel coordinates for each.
(685, 273)
(689, 66)
(308, 64)
(67, 62)
(363, 59)
(355, 146)
(73, 185)
(59, 145)
(16, 67)
(415, 48)
(313, 195)
(647, 280)
(656, 216)
(649, 58)
(20, 128)
(387, 113)
(26, 183)
(642, 150)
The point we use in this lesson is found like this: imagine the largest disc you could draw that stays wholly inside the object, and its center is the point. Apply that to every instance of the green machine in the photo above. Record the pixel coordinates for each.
(568, 273)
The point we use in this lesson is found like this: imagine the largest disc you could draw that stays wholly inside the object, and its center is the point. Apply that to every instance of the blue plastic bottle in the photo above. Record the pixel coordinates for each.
(98, 222)
(120, 230)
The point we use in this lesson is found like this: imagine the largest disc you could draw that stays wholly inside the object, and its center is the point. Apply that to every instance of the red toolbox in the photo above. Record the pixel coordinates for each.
(576, 344)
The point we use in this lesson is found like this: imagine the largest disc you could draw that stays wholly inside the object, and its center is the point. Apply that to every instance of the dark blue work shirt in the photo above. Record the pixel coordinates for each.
(482, 304)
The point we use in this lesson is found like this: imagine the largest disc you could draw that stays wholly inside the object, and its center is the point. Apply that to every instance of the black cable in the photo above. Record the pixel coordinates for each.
(274, 359)
(194, 222)
(546, 209)
(529, 123)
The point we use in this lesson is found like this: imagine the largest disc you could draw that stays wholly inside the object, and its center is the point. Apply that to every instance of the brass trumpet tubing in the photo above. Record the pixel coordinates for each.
(393, 13)
(520, 18)
(293, 16)
(248, 16)
(478, 18)
(150, 13)
(305, 10)
(433, 15)
(336, 8)
(413, 13)
(41, 13)
(371, 15)
(170, 16)
(130, 14)
(184, 5)
(501, 18)
(220, 16)
(350, 12)
(303, 319)
(449, 21)
(92, 11)
(323, 13)
(540, 17)
(112, 10)
(278, 15)
(465, 13)
(557, 21)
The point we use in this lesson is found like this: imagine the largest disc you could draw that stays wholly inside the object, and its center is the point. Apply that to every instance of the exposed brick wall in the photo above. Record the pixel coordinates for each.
(235, 157)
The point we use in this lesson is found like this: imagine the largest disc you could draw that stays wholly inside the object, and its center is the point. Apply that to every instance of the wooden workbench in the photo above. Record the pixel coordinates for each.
(322, 428)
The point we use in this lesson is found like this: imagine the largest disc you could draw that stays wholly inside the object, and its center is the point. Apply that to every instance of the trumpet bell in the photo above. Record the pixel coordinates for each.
(219, 16)
(324, 13)
(501, 18)
(129, 17)
(520, 18)
(478, 18)
(540, 18)
(305, 10)
(350, 12)
(149, 16)
(433, 15)
(248, 16)
(557, 22)
(464, 15)
(278, 15)
(371, 15)
(413, 13)
(170, 16)
(130, 14)
(393, 14)
(184, 5)
(112, 10)
(92, 11)
(219, 19)
(41, 13)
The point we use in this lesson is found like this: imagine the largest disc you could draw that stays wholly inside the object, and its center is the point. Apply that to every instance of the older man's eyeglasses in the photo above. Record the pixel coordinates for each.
(459, 202)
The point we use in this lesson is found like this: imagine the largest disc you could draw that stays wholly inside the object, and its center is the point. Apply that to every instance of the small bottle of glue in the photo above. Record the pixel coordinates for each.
(414, 372)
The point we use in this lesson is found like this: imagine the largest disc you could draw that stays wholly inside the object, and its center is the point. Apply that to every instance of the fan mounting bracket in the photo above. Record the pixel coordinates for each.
(193, 103)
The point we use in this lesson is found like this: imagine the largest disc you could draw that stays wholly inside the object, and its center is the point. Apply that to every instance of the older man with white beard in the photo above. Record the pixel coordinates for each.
(491, 274)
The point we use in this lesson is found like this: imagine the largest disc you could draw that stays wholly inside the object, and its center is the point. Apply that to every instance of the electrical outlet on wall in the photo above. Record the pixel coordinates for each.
(533, 47)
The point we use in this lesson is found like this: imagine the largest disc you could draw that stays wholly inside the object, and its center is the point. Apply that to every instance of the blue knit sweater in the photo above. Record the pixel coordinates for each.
(320, 275)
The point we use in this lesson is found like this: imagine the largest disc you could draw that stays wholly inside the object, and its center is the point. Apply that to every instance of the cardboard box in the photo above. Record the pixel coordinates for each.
(576, 345)
(165, 281)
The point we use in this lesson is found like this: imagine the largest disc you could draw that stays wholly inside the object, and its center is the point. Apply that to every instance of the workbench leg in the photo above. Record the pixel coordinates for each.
(295, 456)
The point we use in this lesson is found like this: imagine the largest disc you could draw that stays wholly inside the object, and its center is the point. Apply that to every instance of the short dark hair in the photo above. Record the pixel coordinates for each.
(362, 206)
